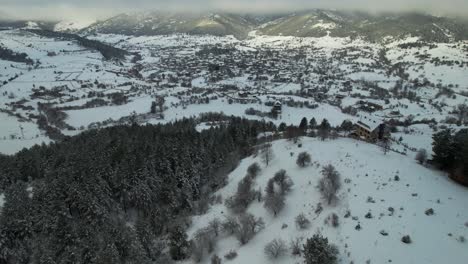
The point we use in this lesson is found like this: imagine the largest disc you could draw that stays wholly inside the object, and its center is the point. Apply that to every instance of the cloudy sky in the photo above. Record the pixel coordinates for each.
(100, 9)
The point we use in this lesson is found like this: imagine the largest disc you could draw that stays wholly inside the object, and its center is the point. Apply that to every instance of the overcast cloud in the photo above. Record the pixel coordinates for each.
(86, 9)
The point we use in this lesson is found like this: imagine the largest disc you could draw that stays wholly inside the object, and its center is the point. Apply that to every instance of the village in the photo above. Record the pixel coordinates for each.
(282, 80)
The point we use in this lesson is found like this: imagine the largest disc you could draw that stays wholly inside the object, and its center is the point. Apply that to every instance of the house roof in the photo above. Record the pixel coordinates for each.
(370, 125)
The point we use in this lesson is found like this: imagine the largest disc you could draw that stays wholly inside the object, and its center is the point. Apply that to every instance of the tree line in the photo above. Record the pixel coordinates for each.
(451, 153)
(107, 51)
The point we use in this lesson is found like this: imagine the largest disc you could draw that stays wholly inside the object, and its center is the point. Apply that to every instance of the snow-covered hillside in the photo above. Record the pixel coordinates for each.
(393, 188)
(72, 26)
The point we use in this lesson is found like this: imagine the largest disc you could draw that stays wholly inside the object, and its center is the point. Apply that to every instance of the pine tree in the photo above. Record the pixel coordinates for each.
(178, 244)
(303, 125)
(313, 123)
(317, 251)
(324, 129)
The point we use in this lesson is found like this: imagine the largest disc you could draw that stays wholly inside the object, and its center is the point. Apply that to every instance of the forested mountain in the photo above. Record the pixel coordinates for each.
(116, 195)
(312, 23)
(162, 23)
(319, 23)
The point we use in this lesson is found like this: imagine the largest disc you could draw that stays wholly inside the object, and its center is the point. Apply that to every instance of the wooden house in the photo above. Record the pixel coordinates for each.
(374, 131)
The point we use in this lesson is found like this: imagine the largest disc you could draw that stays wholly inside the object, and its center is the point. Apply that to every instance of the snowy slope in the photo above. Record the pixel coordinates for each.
(371, 174)
(72, 26)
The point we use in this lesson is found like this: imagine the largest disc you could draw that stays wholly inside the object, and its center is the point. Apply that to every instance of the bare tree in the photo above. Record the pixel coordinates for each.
(284, 181)
(243, 197)
(248, 226)
(295, 246)
(421, 156)
(386, 145)
(266, 153)
(215, 226)
(274, 203)
(275, 249)
(303, 159)
(253, 170)
(330, 183)
(230, 225)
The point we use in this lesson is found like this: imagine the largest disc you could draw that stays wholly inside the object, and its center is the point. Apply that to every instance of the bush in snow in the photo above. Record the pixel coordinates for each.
(303, 159)
(274, 198)
(330, 183)
(302, 222)
(231, 255)
(421, 156)
(253, 170)
(276, 248)
(406, 239)
(429, 211)
(317, 251)
(215, 259)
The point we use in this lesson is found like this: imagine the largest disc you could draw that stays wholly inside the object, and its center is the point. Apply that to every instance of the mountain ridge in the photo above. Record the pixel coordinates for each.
(309, 23)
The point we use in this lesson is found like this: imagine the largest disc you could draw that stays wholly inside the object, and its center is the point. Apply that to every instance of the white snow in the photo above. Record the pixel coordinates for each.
(371, 174)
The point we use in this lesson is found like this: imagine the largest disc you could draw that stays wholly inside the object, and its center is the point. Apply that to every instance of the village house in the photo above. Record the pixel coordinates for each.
(372, 131)
(277, 107)
(369, 106)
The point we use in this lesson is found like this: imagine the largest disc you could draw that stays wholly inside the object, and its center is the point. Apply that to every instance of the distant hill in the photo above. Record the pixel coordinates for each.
(72, 26)
(29, 24)
(312, 23)
(318, 23)
(158, 23)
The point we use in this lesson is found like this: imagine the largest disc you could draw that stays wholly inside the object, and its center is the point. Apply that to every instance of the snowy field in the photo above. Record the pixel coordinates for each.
(371, 187)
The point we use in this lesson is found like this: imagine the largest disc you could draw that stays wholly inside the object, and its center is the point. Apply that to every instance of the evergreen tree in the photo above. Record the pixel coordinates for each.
(303, 125)
(324, 129)
(313, 123)
(178, 244)
(317, 251)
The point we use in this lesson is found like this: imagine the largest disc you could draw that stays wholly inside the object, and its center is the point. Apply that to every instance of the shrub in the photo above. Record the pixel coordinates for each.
(302, 222)
(429, 211)
(275, 248)
(303, 159)
(231, 255)
(406, 239)
(421, 156)
(317, 251)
